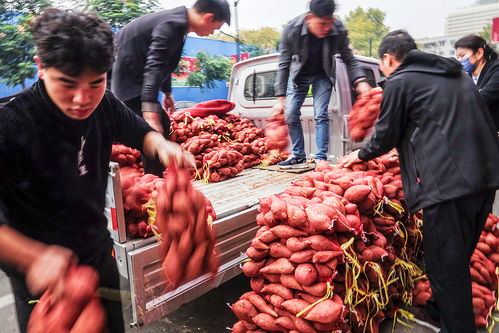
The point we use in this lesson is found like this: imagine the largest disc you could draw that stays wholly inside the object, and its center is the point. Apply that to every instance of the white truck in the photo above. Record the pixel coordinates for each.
(235, 200)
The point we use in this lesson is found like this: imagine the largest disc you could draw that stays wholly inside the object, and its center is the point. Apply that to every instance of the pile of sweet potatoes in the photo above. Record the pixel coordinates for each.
(188, 241)
(126, 156)
(78, 310)
(331, 238)
(364, 113)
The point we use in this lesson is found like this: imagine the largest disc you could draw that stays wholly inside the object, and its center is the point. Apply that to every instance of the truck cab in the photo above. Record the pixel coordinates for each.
(252, 90)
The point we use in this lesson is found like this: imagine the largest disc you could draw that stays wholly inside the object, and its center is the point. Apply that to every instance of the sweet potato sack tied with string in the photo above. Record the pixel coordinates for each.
(364, 113)
(276, 131)
(78, 310)
(188, 241)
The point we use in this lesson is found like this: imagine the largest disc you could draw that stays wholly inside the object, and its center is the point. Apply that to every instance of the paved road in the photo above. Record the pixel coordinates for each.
(207, 314)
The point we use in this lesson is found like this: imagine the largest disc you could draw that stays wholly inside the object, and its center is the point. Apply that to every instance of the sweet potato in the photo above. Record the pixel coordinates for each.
(244, 310)
(276, 300)
(295, 244)
(319, 289)
(318, 220)
(296, 216)
(91, 319)
(257, 284)
(357, 193)
(295, 305)
(280, 266)
(285, 231)
(374, 253)
(259, 303)
(266, 322)
(255, 254)
(239, 327)
(278, 208)
(325, 256)
(171, 265)
(325, 312)
(267, 237)
(290, 282)
(252, 268)
(286, 323)
(302, 256)
(258, 244)
(305, 274)
(324, 271)
(278, 289)
(322, 243)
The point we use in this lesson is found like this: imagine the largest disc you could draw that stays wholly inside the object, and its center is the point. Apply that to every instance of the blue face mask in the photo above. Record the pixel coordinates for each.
(468, 67)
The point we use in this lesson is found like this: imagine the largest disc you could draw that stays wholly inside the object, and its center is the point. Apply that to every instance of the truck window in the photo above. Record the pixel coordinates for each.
(260, 86)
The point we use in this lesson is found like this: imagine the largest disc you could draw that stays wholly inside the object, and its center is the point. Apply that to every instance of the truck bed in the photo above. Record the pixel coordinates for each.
(236, 204)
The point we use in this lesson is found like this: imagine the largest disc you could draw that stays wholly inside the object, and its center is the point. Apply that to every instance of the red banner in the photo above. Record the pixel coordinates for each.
(495, 29)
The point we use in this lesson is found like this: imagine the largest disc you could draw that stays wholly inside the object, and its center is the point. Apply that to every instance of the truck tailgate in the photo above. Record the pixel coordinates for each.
(236, 204)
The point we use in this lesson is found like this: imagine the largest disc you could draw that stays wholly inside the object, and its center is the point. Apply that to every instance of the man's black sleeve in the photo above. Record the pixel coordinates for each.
(353, 66)
(129, 129)
(157, 62)
(286, 52)
(391, 123)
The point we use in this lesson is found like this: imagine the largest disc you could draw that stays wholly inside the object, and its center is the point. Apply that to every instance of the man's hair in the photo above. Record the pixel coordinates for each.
(474, 43)
(397, 43)
(219, 8)
(322, 8)
(73, 41)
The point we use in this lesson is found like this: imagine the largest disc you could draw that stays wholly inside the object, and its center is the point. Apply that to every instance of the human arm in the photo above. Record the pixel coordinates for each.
(168, 103)
(155, 145)
(286, 53)
(42, 264)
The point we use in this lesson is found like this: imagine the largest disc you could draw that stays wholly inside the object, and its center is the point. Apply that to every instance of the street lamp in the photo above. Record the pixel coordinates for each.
(238, 46)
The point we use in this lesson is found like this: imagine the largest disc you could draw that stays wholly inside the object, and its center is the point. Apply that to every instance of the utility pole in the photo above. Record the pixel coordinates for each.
(371, 47)
(238, 42)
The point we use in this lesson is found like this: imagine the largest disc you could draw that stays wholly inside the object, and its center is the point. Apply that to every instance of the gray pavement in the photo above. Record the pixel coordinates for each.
(207, 314)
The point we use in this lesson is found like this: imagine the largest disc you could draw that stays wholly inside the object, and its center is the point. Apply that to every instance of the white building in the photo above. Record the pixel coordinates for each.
(460, 23)
(472, 19)
(441, 45)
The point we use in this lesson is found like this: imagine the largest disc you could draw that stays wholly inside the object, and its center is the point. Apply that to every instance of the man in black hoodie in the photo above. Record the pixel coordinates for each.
(449, 152)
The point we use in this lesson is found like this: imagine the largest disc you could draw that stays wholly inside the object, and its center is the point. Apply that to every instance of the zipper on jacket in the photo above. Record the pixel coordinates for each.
(416, 173)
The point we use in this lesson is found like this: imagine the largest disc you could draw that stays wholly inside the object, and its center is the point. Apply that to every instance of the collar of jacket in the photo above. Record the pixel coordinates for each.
(304, 28)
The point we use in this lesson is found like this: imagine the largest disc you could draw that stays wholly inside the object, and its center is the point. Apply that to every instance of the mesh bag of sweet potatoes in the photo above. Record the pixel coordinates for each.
(364, 113)
(187, 237)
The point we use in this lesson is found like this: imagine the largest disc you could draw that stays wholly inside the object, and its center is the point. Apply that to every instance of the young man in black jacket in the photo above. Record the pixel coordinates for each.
(148, 51)
(56, 139)
(308, 48)
(449, 152)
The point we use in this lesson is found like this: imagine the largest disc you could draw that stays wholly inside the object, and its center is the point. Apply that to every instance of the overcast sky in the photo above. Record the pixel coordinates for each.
(421, 18)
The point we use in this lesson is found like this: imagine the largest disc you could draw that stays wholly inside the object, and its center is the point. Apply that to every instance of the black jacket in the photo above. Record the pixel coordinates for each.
(294, 52)
(53, 169)
(488, 86)
(433, 114)
(148, 51)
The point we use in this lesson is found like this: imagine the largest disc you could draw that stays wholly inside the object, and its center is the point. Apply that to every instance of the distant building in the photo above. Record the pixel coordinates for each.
(459, 23)
(472, 19)
(441, 45)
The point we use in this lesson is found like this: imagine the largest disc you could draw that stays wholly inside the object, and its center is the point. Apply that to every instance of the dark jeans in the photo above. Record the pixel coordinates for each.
(450, 233)
(109, 278)
(151, 166)
(295, 96)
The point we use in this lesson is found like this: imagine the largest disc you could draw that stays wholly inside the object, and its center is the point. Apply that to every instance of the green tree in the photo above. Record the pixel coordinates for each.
(366, 28)
(118, 13)
(211, 69)
(255, 42)
(16, 43)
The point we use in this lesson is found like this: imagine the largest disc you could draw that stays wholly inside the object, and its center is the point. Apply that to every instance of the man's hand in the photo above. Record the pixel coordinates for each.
(362, 88)
(167, 151)
(46, 271)
(350, 159)
(168, 103)
(278, 108)
(154, 120)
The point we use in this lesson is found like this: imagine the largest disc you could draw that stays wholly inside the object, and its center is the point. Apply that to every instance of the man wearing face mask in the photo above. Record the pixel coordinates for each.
(449, 152)
(480, 61)
(308, 48)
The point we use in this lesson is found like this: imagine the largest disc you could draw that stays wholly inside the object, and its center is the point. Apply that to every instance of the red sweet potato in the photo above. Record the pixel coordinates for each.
(295, 244)
(302, 256)
(244, 310)
(279, 250)
(357, 193)
(280, 266)
(285, 231)
(319, 289)
(322, 243)
(290, 282)
(325, 312)
(259, 303)
(305, 274)
(278, 289)
(252, 268)
(257, 284)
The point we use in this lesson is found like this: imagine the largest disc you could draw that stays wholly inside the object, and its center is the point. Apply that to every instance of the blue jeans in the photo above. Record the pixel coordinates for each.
(295, 95)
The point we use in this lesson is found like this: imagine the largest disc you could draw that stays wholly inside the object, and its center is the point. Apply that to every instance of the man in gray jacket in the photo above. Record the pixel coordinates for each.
(308, 47)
